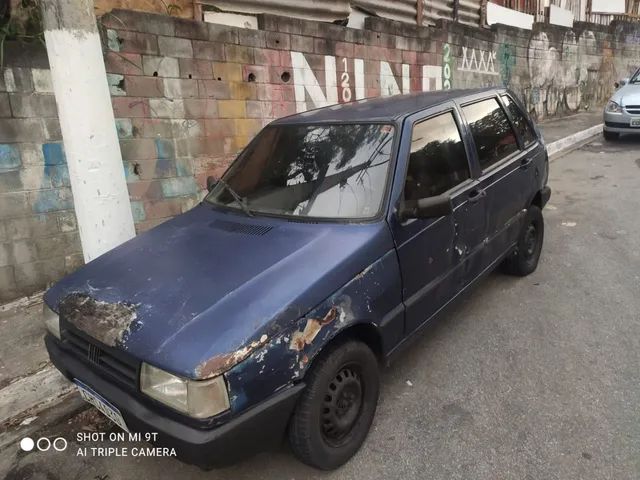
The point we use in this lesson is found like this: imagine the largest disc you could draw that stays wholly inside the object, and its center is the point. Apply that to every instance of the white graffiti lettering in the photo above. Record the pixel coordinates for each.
(309, 93)
(485, 64)
(305, 82)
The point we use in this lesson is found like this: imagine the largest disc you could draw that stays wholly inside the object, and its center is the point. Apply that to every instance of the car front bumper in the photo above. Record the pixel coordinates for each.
(620, 122)
(258, 429)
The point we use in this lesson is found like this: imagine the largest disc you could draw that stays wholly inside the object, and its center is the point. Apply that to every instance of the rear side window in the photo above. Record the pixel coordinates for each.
(491, 130)
(438, 160)
(519, 121)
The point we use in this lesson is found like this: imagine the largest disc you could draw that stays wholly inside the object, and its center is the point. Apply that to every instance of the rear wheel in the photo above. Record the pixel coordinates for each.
(335, 411)
(524, 259)
(610, 136)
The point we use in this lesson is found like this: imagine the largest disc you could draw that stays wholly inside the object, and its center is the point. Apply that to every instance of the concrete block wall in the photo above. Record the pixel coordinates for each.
(39, 239)
(187, 96)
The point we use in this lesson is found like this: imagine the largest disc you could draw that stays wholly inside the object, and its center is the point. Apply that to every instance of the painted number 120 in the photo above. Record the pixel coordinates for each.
(344, 83)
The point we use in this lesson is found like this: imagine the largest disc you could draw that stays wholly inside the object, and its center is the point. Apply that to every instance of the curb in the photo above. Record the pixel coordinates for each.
(22, 302)
(29, 395)
(566, 143)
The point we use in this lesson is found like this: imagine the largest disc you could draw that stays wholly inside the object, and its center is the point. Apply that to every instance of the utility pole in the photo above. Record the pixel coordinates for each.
(99, 187)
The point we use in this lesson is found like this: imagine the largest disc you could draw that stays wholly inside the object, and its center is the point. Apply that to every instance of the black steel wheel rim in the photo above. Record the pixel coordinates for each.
(342, 405)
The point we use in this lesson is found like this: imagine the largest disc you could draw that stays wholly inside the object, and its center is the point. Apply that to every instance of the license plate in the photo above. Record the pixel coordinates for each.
(108, 410)
(635, 122)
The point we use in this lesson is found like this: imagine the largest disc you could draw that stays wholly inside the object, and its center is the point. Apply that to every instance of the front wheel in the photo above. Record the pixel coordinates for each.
(335, 411)
(524, 258)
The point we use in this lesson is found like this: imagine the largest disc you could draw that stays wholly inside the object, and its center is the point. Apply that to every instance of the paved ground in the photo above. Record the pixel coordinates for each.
(556, 129)
(533, 378)
(21, 332)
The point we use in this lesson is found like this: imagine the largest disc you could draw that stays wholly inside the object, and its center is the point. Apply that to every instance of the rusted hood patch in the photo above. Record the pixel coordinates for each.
(219, 364)
(107, 322)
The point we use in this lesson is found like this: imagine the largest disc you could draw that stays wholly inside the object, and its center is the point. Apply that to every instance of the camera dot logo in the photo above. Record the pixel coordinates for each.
(43, 444)
(59, 444)
(27, 444)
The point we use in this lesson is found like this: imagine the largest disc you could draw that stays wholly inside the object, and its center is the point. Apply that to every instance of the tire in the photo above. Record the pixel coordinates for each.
(610, 136)
(524, 259)
(335, 411)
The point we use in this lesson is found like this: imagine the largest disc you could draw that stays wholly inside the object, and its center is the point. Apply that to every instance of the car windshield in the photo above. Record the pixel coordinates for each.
(325, 171)
(636, 77)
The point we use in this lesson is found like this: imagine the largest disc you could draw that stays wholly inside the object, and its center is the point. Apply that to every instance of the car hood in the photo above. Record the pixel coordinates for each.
(627, 95)
(210, 284)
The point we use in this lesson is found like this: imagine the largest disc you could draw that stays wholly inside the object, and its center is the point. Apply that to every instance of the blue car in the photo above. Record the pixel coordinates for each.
(331, 241)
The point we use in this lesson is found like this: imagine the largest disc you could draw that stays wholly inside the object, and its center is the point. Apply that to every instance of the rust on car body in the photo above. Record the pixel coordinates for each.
(107, 322)
(219, 364)
(301, 338)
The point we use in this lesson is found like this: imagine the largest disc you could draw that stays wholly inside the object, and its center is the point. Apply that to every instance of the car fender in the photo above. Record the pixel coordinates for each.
(284, 359)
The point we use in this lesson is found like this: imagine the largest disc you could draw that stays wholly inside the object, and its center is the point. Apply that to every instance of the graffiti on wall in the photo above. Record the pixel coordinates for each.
(568, 76)
(447, 70)
(477, 61)
(349, 83)
(506, 58)
(563, 72)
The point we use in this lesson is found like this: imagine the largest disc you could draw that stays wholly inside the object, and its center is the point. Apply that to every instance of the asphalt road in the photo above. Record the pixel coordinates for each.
(534, 378)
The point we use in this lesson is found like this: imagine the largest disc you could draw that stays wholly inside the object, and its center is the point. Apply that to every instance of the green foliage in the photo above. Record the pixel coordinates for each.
(171, 8)
(23, 24)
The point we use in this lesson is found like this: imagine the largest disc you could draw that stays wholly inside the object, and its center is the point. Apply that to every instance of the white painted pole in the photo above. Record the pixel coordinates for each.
(91, 145)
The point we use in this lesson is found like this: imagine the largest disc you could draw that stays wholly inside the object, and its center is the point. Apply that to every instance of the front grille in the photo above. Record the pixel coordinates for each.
(617, 125)
(102, 358)
(633, 109)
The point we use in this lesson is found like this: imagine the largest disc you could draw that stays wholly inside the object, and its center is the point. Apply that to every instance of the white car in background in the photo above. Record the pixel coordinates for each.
(622, 113)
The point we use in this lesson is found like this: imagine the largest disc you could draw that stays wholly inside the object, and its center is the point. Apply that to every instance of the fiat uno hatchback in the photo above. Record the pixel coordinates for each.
(334, 237)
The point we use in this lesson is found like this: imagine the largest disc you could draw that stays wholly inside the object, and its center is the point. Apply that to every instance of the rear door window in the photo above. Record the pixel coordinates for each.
(520, 122)
(491, 130)
(438, 161)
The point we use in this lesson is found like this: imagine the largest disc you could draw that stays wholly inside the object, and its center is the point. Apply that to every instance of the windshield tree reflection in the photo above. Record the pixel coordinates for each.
(329, 171)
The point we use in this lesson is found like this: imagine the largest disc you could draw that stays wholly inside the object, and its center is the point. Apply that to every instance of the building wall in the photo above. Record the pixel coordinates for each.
(39, 239)
(188, 96)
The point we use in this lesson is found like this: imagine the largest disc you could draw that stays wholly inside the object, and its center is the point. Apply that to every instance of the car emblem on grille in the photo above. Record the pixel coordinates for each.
(93, 354)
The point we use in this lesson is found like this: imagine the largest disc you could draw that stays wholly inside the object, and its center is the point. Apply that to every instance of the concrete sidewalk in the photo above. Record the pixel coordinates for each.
(564, 134)
(33, 393)
(31, 389)
(560, 128)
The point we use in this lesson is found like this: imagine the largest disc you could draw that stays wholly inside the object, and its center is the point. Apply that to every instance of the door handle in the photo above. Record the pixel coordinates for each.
(476, 194)
(525, 162)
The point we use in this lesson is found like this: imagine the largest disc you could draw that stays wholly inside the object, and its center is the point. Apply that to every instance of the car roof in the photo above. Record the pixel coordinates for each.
(381, 109)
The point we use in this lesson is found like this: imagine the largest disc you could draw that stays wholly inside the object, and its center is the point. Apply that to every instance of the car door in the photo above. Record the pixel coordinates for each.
(504, 179)
(534, 154)
(433, 161)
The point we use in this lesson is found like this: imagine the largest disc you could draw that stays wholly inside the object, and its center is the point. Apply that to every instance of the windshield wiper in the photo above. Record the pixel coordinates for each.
(241, 200)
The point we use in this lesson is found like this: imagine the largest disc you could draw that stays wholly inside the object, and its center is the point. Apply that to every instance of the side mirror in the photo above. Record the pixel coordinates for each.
(431, 207)
(621, 83)
(211, 182)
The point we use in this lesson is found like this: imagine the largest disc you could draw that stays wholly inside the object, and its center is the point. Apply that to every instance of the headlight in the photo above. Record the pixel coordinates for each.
(196, 398)
(613, 107)
(51, 320)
